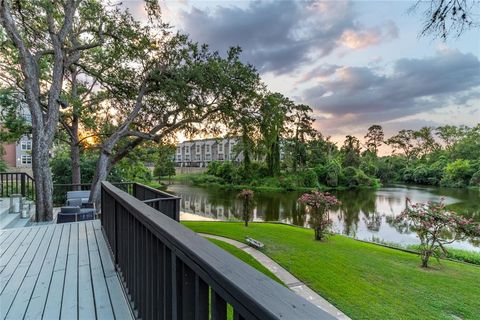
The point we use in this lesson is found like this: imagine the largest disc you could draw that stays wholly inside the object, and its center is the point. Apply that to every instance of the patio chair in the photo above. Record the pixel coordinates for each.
(76, 210)
(68, 214)
(80, 199)
(83, 195)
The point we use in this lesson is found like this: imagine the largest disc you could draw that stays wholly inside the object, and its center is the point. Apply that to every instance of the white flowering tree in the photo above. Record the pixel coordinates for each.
(436, 227)
(319, 204)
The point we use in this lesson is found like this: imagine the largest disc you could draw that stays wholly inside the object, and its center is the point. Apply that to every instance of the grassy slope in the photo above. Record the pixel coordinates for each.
(245, 257)
(366, 281)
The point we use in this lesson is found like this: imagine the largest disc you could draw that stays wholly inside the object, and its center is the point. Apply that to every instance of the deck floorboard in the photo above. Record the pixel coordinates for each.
(59, 271)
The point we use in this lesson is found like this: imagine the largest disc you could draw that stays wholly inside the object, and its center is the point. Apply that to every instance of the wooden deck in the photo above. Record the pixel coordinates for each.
(59, 271)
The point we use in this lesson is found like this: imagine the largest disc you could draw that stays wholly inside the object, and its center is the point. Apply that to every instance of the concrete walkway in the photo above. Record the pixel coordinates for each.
(287, 278)
(185, 216)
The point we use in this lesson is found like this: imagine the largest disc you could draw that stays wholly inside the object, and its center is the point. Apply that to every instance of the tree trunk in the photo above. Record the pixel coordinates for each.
(101, 173)
(245, 217)
(74, 143)
(43, 178)
(75, 157)
(425, 257)
(318, 233)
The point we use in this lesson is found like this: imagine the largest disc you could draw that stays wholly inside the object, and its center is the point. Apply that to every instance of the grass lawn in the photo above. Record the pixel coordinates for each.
(365, 281)
(245, 257)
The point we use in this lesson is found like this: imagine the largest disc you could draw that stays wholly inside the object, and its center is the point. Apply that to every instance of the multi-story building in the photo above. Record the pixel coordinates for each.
(198, 153)
(18, 155)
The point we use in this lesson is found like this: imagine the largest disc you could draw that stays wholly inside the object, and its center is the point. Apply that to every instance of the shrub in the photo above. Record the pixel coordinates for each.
(369, 168)
(321, 172)
(3, 165)
(246, 195)
(319, 203)
(226, 171)
(475, 180)
(436, 226)
(333, 169)
(348, 177)
(309, 178)
(213, 167)
(363, 180)
(457, 173)
(287, 183)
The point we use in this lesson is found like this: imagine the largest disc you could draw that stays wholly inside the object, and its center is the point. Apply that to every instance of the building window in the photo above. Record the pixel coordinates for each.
(207, 148)
(220, 148)
(198, 149)
(26, 145)
(187, 150)
(179, 150)
(26, 159)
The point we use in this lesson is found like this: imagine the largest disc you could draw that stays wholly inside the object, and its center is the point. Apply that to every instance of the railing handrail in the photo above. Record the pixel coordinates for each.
(159, 199)
(251, 293)
(156, 191)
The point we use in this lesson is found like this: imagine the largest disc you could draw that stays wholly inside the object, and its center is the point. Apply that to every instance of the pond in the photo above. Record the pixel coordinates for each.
(364, 214)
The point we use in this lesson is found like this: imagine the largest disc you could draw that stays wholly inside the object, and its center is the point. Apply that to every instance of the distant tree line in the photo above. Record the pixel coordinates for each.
(445, 156)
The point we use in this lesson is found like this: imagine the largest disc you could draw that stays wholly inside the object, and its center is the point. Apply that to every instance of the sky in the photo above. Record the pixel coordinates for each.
(356, 63)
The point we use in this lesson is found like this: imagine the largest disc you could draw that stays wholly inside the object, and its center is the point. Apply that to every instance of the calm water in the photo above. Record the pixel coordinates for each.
(364, 214)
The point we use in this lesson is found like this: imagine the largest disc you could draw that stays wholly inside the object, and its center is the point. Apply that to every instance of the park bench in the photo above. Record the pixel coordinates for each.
(254, 243)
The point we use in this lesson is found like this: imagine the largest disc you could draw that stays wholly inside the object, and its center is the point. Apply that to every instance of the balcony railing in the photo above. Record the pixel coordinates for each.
(172, 273)
(162, 201)
(17, 183)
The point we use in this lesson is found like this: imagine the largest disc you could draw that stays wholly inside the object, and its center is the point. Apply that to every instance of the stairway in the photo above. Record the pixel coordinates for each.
(13, 220)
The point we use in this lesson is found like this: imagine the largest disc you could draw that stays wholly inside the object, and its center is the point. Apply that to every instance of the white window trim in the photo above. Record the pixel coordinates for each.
(26, 145)
(26, 159)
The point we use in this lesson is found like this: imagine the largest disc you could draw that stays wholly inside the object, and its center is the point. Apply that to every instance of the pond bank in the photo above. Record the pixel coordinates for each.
(364, 214)
(365, 281)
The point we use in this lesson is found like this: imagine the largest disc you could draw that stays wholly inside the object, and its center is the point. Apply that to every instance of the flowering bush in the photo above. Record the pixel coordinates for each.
(247, 198)
(436, 227)
(319, 203)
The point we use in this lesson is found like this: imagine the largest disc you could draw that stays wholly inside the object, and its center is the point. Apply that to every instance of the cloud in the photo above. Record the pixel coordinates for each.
(281, 36)
(359, 39)
(360, 95)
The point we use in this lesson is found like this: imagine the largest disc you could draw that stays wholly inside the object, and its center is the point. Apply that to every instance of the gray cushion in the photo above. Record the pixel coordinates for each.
(75, 202)
(78, 194)
(87, 210)
(70, 210)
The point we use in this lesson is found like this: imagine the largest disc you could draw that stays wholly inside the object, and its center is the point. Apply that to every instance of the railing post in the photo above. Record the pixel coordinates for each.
(219, 307)
(177, 210)
(115, 232)
(22, 185)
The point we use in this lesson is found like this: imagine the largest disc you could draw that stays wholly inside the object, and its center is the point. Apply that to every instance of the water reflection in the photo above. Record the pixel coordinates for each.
(364, 214)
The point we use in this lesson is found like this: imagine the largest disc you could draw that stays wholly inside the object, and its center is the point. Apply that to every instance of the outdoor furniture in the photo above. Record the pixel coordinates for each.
(77, 209)
(68, 214)
(80, 199)
(254, 243)
(75, 202)
(83, 195)
(74, 214)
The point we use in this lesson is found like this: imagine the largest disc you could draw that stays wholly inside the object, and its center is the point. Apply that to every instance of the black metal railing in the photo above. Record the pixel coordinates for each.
(17, 183)
(162, 201)
(172, 273)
